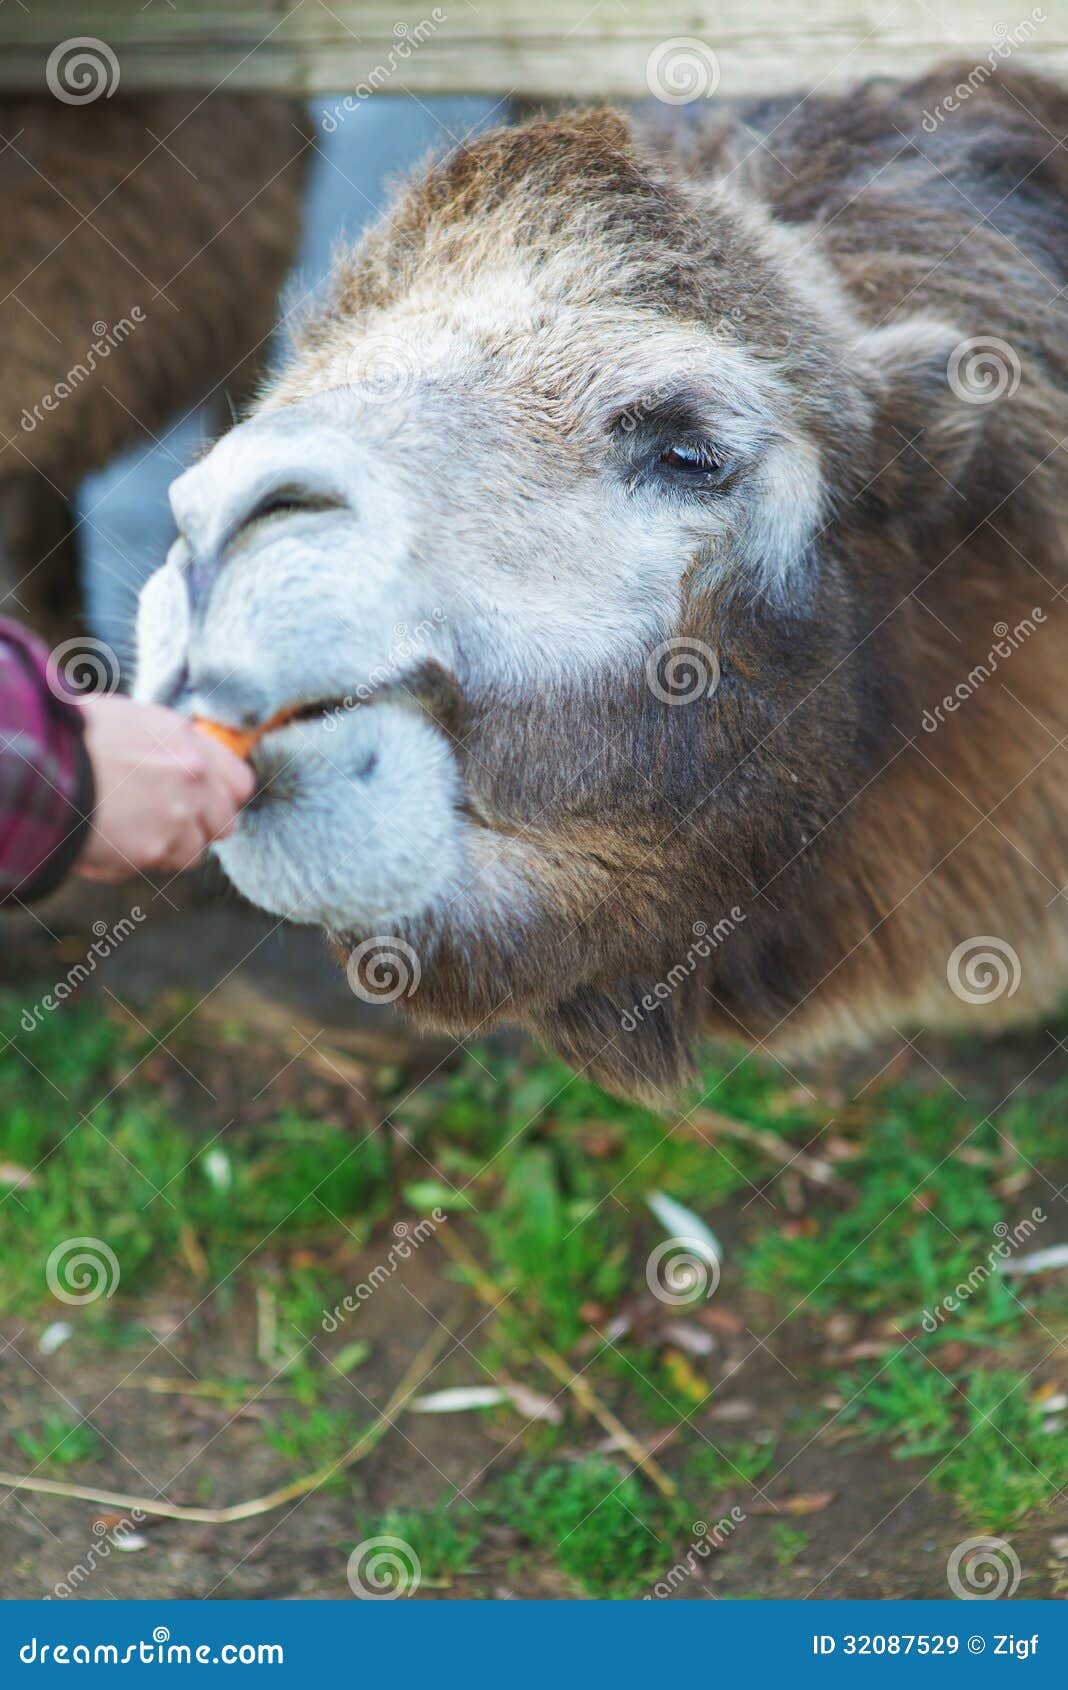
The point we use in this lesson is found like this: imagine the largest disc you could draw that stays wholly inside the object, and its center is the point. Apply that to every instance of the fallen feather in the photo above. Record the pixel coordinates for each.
(217, 1167)
(1038, 1261)
(533, 1404)
(53, 1336)
(686, 1336)
(457, 1398)
(20, 1179)
(680, 1222)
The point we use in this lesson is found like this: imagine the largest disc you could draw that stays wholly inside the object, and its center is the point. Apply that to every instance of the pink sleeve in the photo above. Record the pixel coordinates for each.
(46, 788)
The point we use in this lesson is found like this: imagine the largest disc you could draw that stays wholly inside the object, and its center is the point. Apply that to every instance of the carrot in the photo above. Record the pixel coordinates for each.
(241, 741)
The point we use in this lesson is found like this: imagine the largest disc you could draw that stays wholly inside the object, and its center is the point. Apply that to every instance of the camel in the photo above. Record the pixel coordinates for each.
(642, 584)
(146, 242)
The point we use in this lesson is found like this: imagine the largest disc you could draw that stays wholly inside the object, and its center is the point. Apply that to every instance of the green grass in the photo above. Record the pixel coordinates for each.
(57, 1441)
(444, 1538)
(979, 1434)
(549, 1178)
(600, 1525)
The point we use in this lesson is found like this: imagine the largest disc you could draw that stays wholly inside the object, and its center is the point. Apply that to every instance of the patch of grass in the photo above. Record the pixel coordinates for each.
(983, 1438)
(313, 1436)
(127, 1171)
(443, 1538)
(548, 1177)
(57, 1441)
(787, 1543)
(602, 1527)
(921, 1220)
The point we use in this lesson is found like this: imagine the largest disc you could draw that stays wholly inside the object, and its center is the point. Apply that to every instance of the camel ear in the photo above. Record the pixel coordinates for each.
(929, 409)
(641, 1054)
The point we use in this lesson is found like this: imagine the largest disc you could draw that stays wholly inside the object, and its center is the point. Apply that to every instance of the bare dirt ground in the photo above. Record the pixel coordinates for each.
(885, 1532)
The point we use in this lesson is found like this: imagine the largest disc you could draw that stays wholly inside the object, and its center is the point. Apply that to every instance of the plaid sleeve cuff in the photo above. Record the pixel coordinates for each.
(46, 783)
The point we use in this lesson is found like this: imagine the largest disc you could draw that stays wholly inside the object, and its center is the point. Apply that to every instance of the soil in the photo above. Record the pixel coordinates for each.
(882, 1533)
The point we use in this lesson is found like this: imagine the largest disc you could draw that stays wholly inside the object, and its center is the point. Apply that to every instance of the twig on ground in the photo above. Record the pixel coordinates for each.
(562, 1371)
(120, 1500)
(770, 1144)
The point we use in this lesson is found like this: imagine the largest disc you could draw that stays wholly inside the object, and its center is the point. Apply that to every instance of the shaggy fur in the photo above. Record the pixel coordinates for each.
(180, 209)
(793, 857)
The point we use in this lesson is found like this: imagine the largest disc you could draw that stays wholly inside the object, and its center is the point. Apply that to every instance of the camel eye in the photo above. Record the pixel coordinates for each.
(688, 460)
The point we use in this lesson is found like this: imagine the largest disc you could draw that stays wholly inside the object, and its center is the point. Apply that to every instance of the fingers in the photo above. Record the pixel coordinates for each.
(232, 772)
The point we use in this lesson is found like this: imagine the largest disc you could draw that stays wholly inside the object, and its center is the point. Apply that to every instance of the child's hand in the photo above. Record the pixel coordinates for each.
(163, 791)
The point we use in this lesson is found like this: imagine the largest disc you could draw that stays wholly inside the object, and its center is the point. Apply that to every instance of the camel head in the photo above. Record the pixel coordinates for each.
(552, 553)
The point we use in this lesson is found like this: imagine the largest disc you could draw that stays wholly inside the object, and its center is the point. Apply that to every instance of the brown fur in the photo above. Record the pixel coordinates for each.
(861, 849)
(185, 208)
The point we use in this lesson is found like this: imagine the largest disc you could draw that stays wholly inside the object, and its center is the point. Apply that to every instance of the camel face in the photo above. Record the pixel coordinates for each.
(565, 559)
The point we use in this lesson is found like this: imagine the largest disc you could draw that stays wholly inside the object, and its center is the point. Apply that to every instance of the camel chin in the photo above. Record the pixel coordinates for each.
(354, 826)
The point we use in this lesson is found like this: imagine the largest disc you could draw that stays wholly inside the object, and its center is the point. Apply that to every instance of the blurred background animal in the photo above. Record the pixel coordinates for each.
(145, 241)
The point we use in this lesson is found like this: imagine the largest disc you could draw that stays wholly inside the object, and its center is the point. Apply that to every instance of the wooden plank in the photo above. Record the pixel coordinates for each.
(552, 48)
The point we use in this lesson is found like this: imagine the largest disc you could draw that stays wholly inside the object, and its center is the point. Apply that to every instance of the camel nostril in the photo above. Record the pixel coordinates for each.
(291, 501)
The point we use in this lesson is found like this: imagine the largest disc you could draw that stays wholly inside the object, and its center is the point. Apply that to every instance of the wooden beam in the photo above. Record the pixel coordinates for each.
(577, 49)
